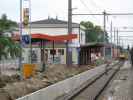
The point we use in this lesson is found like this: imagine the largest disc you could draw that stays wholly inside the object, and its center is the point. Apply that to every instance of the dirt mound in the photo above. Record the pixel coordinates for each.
(24, 87)
(16, 88)
(4, 95)
(57, 73)
(4, 79)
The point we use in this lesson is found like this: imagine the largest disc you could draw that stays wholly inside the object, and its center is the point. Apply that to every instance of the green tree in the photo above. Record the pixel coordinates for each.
(94, 33)
(3, 44)
(7, 45)
(6, 25)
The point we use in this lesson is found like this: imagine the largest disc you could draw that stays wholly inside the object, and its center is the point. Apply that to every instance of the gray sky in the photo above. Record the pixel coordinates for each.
(41, 9)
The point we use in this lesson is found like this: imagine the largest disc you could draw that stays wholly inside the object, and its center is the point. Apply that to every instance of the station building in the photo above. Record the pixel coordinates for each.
(55, 27)
(54, 50)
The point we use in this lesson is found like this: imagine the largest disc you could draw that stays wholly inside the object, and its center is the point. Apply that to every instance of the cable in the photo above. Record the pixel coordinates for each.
(88, 9)
(96, 5)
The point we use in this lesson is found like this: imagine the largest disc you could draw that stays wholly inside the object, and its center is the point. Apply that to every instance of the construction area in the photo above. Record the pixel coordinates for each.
(66, 50)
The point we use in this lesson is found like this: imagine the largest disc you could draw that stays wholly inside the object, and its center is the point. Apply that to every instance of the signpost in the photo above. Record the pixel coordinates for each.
(25, 23)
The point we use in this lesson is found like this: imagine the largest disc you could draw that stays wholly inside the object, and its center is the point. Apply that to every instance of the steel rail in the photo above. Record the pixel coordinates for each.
(76, 92)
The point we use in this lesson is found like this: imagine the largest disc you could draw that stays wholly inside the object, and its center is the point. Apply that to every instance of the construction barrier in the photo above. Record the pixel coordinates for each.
(28, 70)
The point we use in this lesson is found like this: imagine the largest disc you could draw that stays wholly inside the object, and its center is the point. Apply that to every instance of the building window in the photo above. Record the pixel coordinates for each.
(52, 52)
(61, 51)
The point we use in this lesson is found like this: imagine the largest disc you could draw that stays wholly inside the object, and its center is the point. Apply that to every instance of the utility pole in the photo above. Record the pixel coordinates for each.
(30, 34)
(68, 49)
(117, 42)
(111, 41)
(104, 14)
(20, 31)
(122, 43)
(114, 35)
(104, 29)
(114, 38)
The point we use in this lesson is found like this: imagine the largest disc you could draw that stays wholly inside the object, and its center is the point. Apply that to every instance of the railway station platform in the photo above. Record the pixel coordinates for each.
(121, 87)
(84, 86)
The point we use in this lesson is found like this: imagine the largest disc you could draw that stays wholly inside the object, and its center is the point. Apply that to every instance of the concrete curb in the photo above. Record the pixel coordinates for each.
(59, 89)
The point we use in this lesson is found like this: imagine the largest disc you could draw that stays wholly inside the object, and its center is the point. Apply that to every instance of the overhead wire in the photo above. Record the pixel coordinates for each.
(84, 4)
(96, 5)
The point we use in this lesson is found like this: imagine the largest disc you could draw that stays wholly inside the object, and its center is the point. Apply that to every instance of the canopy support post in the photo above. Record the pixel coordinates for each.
(53, 51)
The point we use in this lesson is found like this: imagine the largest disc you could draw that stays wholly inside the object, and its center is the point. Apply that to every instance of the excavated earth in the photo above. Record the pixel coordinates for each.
(12, 87)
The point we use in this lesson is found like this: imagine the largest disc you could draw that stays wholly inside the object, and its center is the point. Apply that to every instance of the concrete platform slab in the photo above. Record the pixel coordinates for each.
(121, 88)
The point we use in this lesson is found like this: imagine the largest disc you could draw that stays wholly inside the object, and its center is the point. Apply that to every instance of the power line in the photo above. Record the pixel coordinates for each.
(95, 4)
(126, 36)
(88, 8)
(128, 39)
(123, 31)
(118, 14)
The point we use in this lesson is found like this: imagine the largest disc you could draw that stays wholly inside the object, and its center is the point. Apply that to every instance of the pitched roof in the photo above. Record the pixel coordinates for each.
(51, 21)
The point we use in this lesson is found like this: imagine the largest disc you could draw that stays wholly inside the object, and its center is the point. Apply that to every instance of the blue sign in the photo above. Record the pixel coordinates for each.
(26, 39)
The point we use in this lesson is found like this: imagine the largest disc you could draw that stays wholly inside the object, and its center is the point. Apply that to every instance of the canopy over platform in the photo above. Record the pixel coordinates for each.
(36, 37)
(42, 39)
(97, 44)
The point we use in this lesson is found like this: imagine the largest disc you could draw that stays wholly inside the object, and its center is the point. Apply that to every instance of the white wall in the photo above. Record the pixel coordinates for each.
(74, 56)
(60, 31)
(49, 31)
(62, 58)
(26, 55)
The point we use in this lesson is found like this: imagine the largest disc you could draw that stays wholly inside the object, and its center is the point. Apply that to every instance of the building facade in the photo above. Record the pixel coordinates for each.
(55, 27)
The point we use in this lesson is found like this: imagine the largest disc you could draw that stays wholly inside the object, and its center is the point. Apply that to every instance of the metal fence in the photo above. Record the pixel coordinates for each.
(9, 67)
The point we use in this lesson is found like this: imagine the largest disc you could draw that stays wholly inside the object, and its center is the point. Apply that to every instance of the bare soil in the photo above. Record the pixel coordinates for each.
(12, 87)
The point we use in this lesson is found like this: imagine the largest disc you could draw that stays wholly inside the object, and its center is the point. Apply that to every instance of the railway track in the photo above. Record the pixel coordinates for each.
(93, 88)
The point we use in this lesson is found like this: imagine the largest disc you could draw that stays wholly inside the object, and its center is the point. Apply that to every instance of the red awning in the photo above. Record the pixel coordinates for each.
(40, 36)
(54, 38)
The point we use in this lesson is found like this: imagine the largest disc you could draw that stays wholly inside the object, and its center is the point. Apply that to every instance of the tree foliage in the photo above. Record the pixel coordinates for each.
(6, 25)
(7, 45)
(94, 33)
(8, 48)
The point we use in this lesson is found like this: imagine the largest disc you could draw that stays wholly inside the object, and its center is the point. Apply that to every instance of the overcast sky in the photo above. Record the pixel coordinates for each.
(41, 9)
